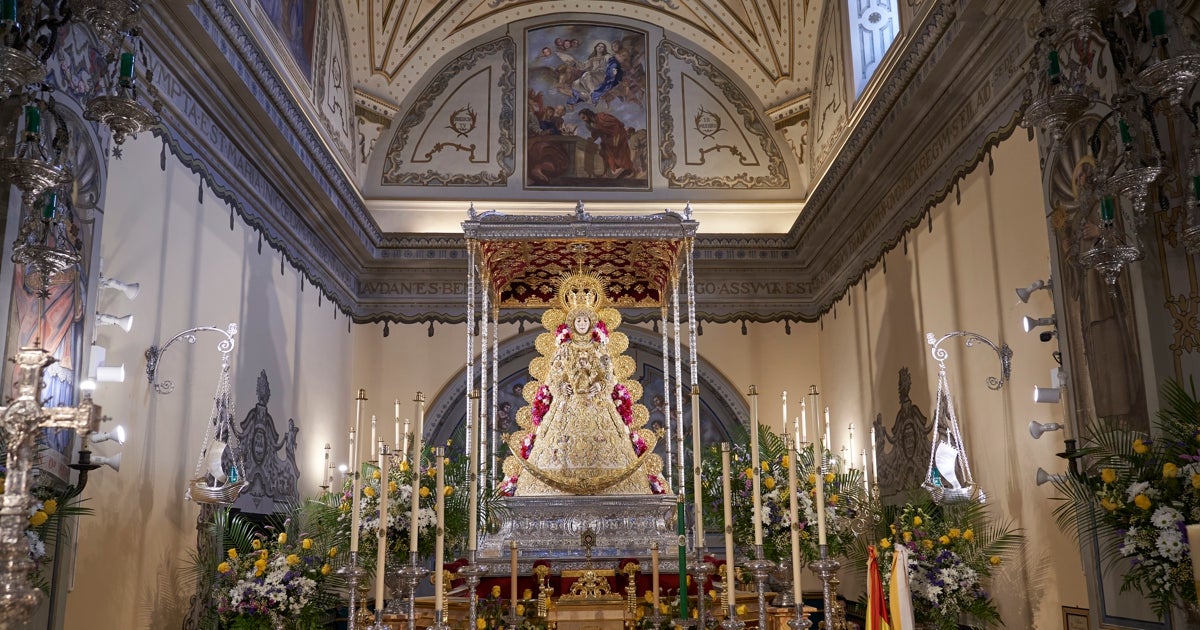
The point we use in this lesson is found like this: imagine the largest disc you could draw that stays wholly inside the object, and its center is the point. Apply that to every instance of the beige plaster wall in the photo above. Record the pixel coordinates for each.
(962, 276)
(194, 271)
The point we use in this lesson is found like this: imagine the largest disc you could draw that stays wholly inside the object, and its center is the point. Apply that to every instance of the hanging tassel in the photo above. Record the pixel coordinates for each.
(957, 194)
(431, 328)
(320, 295)
(906, 243)
(162, 157)
(991, 165)
(260, 242)
(743, 327)
(929, 221)
(520, 326)
(835, 312)
(849, 298)
(281, 259)
(885, 265)
(230, 218)
(200, 194)
(787, 327)
(386, 331)
(655, 322)
(349, 320)
(302, 283)
(699, 328)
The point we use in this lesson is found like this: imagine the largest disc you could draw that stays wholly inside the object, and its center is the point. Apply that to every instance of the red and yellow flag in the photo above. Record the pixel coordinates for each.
(877, 609)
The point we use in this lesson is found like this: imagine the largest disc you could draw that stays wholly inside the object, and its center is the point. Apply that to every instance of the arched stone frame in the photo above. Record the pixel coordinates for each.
(722, 407)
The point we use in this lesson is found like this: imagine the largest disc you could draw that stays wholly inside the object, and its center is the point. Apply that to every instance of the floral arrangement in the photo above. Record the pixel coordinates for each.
(48, 513)
(844, 497)
(338, 508)
(274, 577)
(494, 610)
(669, 604)
(953, 550)
(1136, 493)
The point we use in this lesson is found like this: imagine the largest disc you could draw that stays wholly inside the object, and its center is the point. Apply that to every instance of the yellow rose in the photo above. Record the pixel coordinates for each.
(740, 609)
(430, 472)
(994, 561)
(326, 569)
(1170, 470)
(262, 555)
(344, 508)
(663, 608)
(787, 462)
(393, 487)
(927, 544)
(50, 506)
(39, 517)
(1196, 481)
(955, 532)
(907, 537)
(833, 499)
(260, 564)
(232, 553)
(829, 477)
(893, 528)
(917, 521)
(376, 474)
(333, 552)
(283, 538)
(649, 597)
(527, 594)
(969, 535)
(369, 491)
(403, 466)
(495, 590)
(765, 466)
(689, 580)
(712, 593)
(424, 492)
(749, 471)
(256, 544)
(223, 567)
(945, 540)
(695, 613)
(1108, 475)
(769, 483)
(258, 572)
(812, 479)
(1108, 504)
(884, 543)
(448, 490)
(306, 543)
(1140, 447)
(293, 560)
(1142, 501)
(1, 485)
(480, 623)
(641, 612)
(520, 609)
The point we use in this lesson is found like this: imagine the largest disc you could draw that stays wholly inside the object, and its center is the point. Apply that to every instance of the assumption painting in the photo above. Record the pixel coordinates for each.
(296, 22)
(587, 113)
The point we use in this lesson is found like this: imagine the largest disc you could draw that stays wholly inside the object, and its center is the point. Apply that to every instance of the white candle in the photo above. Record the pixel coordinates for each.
(820, 501)
(794, 513)
(404, 451)
(874, 459)
(356, 487)
(783, 418)
(803, 439)
(416, 477)
(828, 441)
(512, 549)
(850, 429)
(699, 527)
(472, 472)
(396, 444)
(727, 505)
(374, 449)
(755, 469)
(866, 473)
(439, 545)
(328, 480)
(381, 555)
(654, 573)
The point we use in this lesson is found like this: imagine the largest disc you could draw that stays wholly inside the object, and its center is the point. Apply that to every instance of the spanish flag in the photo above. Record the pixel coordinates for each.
(877, 610)
(900, 595)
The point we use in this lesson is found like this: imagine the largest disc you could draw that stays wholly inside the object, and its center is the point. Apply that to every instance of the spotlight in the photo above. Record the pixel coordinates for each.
(124, 323)
(116, 435)
(1047, 335)
(1043, 476)
(1047, 395)
(110, 373)
(1029, 323)
(130, 289)
(113, 462)
(1036, 429)
(1024, 292)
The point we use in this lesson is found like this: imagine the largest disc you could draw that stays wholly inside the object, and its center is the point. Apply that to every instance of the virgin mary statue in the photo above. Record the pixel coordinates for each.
(582, 431)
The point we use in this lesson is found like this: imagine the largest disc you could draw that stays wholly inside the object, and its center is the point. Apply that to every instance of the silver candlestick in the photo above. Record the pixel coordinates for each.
(473, 571)
(439, 622)
(656, 619)
(784, 597)
(761, 569)
(379, 624)
(826, 568)
(799, 622)
(513, 621)
(701, 570)
(410, 576)
(353, 573)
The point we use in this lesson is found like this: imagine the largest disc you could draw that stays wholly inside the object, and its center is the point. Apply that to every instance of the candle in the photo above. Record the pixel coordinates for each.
(727, 505)
(654, 573)
(794, 513)
(755, 469)
(783, 419)
(439, 454)
(681, 530)
(355, 488)
(828, 442)
(328, 467)
(472, 474)
(803, 439)
(33, 119)
(381, 550)
(126, 71)
(406, 436)
(374, 449)
(1193, 535)
(396, 444)
(350, 456)
(866, 473)
(379, 448)
(850, 428)
(512, 547)
(874, 459)
(696, 476)
(413, 519)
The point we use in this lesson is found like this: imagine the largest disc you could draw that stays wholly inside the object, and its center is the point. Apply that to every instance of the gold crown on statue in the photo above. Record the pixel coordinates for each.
(581, 291)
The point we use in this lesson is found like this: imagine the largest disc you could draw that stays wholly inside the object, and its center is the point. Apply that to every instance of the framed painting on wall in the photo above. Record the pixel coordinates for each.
(586, 107)
(296, 22)
(1075, 618)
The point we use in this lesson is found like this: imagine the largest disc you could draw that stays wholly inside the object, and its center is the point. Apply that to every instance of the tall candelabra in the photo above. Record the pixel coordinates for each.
(826, 568)
(21, 420)
(472, 572)
(761, 569)
(410, 576)
(353, 574)
(701, 569)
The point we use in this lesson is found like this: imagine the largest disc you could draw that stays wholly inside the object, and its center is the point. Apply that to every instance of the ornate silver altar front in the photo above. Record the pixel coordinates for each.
(551, 527)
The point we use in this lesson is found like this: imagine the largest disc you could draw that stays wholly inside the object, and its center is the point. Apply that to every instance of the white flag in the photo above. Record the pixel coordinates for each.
(900, 596)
